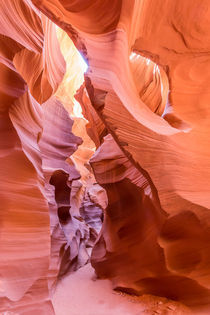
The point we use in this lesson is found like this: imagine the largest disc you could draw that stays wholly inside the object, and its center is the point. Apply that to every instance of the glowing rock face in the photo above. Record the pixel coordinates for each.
(146, 98)
(73, 79)
(74, 75)
(37, 174)
(170, 151)
(25, 228)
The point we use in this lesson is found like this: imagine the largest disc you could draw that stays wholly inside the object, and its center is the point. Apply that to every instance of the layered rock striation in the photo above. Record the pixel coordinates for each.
(170, 150)
(41, 239)
(145, 97)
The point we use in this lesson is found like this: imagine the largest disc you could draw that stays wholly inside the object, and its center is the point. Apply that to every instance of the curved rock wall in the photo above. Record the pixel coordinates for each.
(41, 239)
(170, 151)
(25, 228)
(145, 96)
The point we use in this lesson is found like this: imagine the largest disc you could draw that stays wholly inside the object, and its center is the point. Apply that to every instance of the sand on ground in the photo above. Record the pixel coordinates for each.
(79, 294)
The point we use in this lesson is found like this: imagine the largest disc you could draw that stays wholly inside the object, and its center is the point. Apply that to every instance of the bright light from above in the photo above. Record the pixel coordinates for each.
(72, 81)
(83, 65)
(74, 76)
(77, 110)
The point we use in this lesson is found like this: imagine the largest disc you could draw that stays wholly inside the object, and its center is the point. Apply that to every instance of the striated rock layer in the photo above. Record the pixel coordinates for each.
(25, 226)
(42, 238)
(169, 148)
(146, 97)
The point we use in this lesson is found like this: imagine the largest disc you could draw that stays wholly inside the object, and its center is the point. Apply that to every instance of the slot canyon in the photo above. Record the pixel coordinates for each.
(105, 157)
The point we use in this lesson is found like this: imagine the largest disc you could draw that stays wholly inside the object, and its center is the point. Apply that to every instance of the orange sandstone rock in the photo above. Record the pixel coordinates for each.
(154, 164)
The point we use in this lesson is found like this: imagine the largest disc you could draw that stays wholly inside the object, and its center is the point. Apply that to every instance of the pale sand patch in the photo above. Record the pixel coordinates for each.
(79, 294)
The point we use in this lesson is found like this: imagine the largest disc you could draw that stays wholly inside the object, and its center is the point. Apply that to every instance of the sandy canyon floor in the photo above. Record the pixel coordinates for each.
(81, 294)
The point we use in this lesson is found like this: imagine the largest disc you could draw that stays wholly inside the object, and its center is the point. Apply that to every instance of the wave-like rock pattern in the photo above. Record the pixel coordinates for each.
(154, 163)
(171, 151)
(25, 242)
(40, 239)
(25, 228)
(57, 144)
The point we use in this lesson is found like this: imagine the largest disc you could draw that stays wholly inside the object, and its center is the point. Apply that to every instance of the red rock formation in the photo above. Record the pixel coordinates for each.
(25, 242)
(35, 144)
(147, 83)
(171, 153)
(57, 144)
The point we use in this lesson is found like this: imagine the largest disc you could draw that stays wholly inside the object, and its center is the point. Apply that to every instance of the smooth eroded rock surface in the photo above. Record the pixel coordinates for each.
(145, 109)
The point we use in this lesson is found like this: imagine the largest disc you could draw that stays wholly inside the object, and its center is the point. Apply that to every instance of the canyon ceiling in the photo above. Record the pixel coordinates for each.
(104, 148)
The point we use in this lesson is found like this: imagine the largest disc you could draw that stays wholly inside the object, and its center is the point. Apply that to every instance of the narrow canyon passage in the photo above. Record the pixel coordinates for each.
(104, 157)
